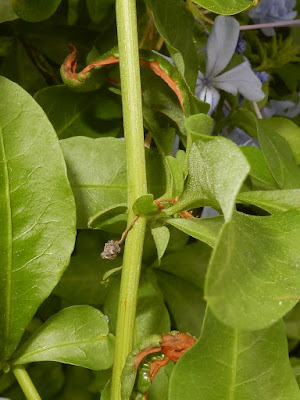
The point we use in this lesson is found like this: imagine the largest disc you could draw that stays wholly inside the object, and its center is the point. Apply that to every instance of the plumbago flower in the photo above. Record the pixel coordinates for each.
(221, 45)
(273, 11)
(282, 108)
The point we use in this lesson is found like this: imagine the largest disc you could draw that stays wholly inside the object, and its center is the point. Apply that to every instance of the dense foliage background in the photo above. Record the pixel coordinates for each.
(224, 143)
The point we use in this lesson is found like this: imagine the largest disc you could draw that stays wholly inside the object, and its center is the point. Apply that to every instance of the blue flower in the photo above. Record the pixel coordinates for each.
(284, 108)
(220, 48)
(273, 11)
(263, 76)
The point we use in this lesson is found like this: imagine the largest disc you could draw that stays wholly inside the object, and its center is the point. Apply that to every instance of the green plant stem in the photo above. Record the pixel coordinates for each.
(26, 383)
(136, 181)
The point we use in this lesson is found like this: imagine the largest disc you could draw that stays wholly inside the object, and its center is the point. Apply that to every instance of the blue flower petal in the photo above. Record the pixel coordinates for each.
(240, 79)
(221, 44)
(210, 95)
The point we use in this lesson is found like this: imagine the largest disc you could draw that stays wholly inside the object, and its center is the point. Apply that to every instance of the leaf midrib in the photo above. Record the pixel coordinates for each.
(9, 245)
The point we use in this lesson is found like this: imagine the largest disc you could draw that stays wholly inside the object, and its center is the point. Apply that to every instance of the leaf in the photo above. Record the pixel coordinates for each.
(274, 201)
(217, 169)
(288, 130)
(77, 381)
(6, 11)
(181, 278)
(159, 389)
(98, 9)
(253, 276)
(249, 364)
(226, 7)
(145, 205)
(279, 158)
(37, 212)
(161, 236)
(171, 17)
(245, 120)
(80, 114)
(77, 335)
(185, 302)
(259, 169)
(152, 316)
(203, 229)
(104, 216)
(97, 173)
(82, 281)
(35, 10)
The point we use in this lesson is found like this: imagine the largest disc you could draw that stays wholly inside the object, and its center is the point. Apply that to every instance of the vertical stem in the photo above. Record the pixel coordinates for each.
(26, 383)
(136, 181)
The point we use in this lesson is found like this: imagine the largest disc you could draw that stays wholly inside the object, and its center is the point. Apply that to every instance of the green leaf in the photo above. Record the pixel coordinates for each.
(151, 315)
(98, 9)
(274, 201)
(159, 389)
(288, 130)
(171, 17)
(77, 335)
(97, 173)
(80, 114)
(249, 365)
(181, 277)
(203, 229)
(35, 10)
(161, 236)
(37, 212)
(217, 169)
(145, 205)
(104, 216)
(82, 281)
(253, 276)
(245, 120)
(77, 380)
(185, 302)
(6, 11)
(279, 158)
(227, 7)
(259, 169)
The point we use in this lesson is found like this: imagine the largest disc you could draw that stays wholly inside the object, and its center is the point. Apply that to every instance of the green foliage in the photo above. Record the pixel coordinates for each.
(233, 355)
(37, 212)
(77, 335)
(232, 280)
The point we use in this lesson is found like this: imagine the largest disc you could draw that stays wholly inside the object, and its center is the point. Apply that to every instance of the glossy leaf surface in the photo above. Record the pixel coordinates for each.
(37, 212)
(249, 365)
(77, 335)
(253, 276)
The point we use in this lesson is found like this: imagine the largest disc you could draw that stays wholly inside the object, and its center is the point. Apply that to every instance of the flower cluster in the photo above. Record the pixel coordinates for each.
(221, 45)
(273, 11)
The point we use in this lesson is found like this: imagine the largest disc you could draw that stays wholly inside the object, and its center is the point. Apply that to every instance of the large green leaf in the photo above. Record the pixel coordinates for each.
(171, 17)
(226, 7)
(35, 10)
(80, 114)
(253, 278)
(229, 364)
(274, 201)
(279, 157)
(37, 212)
(77, 335)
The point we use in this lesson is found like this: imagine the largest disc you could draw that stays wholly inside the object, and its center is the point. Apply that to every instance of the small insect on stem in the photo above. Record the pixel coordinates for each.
(112, 247)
